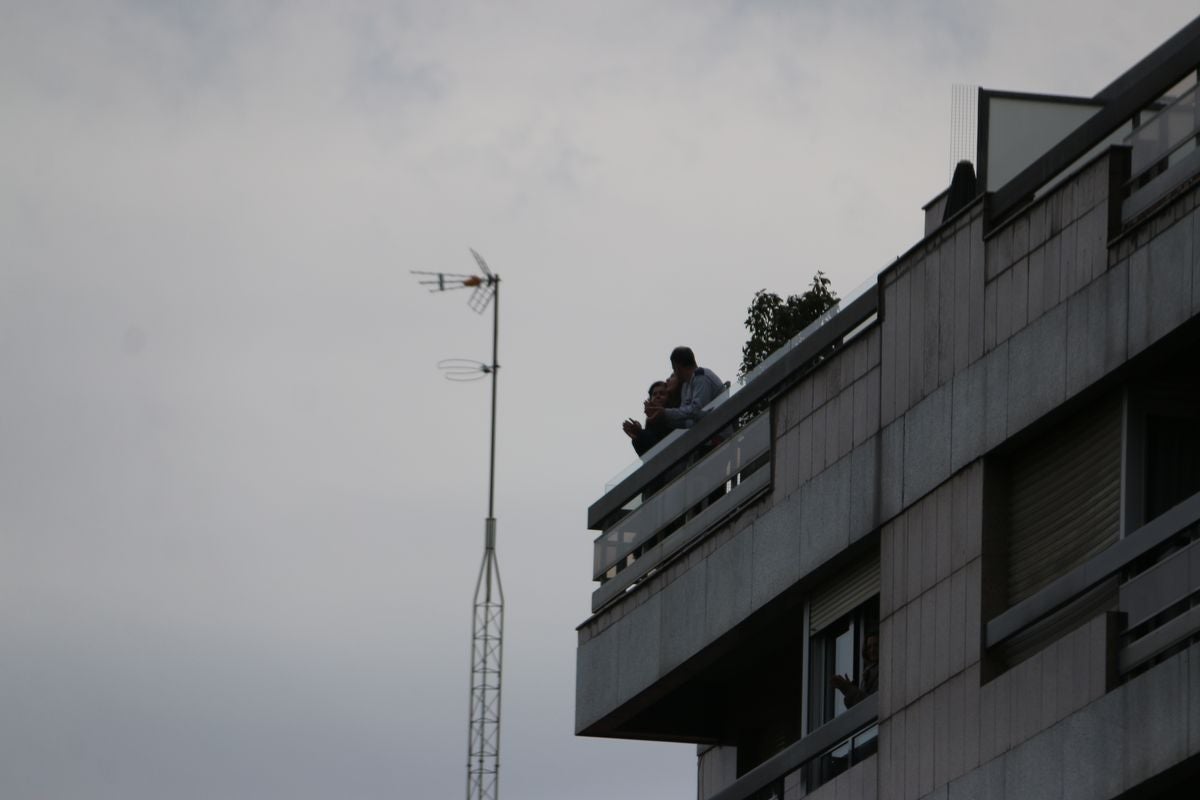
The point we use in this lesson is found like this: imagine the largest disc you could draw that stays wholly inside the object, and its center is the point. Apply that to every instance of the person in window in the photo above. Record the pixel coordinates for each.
(645, 437)
(697, 387)
(853, 692)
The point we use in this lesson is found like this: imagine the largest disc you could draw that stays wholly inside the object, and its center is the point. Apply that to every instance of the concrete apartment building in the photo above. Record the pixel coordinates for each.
(973, 489)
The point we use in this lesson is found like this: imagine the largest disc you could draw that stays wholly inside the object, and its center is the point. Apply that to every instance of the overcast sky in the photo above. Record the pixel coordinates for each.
(241, 512)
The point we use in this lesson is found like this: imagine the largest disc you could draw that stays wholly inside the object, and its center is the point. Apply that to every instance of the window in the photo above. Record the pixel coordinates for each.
(843, 663)
(1162, 447)
(1063, 499)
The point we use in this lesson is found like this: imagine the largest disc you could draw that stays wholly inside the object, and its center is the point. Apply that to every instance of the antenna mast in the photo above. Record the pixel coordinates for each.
(487, 630)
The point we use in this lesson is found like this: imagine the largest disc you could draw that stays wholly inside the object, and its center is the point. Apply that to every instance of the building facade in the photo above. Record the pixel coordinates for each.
(951, 549)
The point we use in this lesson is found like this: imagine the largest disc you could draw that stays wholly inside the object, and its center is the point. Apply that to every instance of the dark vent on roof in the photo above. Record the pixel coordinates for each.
(962, 189)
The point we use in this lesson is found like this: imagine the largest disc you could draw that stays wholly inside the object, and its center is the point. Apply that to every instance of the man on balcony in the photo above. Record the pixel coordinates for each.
(698, 386)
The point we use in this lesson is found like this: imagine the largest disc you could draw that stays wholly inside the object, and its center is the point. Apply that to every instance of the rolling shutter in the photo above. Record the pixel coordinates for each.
(845, 593)
(1064, 500)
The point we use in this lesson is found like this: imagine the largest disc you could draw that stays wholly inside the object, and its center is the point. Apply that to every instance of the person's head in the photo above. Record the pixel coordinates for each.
(672, 389)
(683, 361)
(871, 648)
(658, 393)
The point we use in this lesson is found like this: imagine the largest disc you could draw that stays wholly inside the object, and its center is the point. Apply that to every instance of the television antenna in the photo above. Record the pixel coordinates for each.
(487, 629)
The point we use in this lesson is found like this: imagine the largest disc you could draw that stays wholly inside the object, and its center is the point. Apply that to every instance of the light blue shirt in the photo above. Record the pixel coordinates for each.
(693, 397)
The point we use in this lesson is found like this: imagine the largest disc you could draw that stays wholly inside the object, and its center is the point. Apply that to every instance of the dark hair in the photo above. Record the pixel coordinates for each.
(654, 386)
(683, 357)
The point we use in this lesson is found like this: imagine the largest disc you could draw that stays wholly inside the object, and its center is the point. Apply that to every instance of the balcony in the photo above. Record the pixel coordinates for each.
(1156, 572)
(693, 483)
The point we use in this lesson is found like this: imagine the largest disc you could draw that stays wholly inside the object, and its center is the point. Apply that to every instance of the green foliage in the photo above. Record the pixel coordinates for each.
(772, 320)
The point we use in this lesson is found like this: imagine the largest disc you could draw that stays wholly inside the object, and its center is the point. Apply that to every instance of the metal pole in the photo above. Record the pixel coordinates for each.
(495, 371)
(483, 763)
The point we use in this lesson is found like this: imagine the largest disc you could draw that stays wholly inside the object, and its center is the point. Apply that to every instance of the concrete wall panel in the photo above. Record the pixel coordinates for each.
(891, 478)
(962, 295)
(1037, 369)
(804, 442)
(1052, 281)
(595, 677)
(926, 444)
(912, 753)
(776, 551)
(864, 500)
(1049, 693)
(1077, 342)
(1036, 283)
(956, 703)
(684, 608)
(1004, 305)
(845, 421)
(987, 722)
(824, 516)
(887, 363)
(833, 427)
(639, 647)
(941, 735)
(1033, 770)
(1108, 304)
(941, 639)
(926, 720)
(1156, 708)
(913, 652)
(916, 332)
(971, 719)
(1093, 750)
(727, 599)
(958, 621)
(990, 308)
(901, 311)
(1020, 295)
(944, 497)
(975, 346)
(898, 661)
(928, 640)
(819, 432)
(1068, 240)
(915, 546)
(984, 783)
(931, 338)
(1020, 238)
(1170, 279)
(946, 315)
(995, 396)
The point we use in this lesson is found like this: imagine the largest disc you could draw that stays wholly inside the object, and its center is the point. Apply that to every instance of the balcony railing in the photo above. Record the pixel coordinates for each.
(1158, 569)
(720, 482)
(857, 720)
(1164, 153)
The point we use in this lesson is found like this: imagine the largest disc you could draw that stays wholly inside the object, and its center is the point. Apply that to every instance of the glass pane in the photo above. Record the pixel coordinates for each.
(866, 743)
(843, 665)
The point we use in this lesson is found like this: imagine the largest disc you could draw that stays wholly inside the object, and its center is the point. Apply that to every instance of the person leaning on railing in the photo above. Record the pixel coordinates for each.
(698, 386)
(645, 437)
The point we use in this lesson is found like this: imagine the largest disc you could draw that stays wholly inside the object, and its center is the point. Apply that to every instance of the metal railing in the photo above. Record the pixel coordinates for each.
(1163, 153)
(1158, 567)
(693, 503)
(857, 719)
